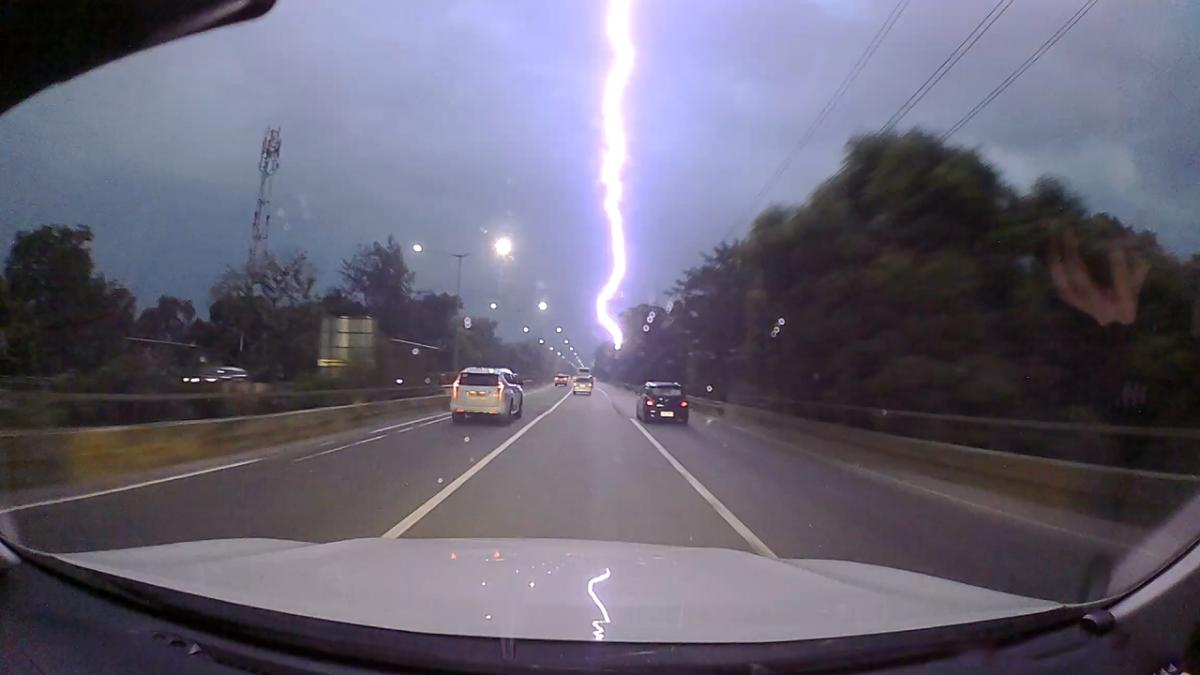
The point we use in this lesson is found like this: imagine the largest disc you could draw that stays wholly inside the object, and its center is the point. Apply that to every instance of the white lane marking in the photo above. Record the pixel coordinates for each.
(605, 393)
(429, 423)
(340, 447)
(424, 509)
(123, 488)
(406, 423)
(937, 493)
(738, 526)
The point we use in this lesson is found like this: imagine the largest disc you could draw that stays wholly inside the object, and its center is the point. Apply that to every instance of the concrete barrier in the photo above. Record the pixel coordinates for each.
(31, 459)
(1124, 495)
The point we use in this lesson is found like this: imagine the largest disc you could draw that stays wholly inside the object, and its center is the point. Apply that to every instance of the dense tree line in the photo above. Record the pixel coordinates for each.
(61, 319)
(916, 278)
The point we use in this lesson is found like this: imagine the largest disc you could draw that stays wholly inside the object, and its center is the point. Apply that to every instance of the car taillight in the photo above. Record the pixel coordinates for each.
(454, 391)
(683, 404)
(500, 390)
(649, 402)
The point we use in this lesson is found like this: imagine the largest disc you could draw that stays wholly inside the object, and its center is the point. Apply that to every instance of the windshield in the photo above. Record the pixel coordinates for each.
(934, 289)
(479, 379)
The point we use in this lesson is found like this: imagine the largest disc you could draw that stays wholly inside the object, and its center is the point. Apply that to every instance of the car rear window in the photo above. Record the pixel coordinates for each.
(666, 391)
(478, 379)
(585, 380)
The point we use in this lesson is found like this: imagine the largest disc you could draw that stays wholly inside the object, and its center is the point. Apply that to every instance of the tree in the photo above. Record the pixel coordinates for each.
(266, 317)
(170, 319)
(62, 316)
(915, 278)
(377, 277)
(431, 318)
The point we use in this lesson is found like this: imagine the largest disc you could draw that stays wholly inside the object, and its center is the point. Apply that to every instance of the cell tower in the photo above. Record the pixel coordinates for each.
(268, 164)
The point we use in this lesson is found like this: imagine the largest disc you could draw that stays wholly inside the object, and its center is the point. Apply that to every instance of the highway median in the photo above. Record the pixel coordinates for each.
(42, 458)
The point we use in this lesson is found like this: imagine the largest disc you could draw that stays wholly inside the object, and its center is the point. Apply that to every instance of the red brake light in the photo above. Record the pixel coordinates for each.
(683, 404)
(454, 391)
(649, 402)
(500, 388)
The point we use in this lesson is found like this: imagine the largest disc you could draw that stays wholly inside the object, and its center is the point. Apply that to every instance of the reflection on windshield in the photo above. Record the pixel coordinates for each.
(598, 625)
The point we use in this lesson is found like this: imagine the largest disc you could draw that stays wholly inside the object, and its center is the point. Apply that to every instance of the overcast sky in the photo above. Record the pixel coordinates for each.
(451, 122)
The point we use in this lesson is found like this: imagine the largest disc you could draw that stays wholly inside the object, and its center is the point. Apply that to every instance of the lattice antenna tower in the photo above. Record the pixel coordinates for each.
(268, 164)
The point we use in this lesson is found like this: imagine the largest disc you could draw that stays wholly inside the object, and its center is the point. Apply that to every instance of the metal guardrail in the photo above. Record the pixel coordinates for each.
(1169, 449)
(51, 409)
(1185, 433)
(54, 396)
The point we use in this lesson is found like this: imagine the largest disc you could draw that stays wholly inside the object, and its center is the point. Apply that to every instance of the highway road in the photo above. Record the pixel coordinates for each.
(573, 467)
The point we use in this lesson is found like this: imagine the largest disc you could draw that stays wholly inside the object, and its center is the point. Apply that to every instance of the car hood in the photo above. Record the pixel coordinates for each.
(560, 589)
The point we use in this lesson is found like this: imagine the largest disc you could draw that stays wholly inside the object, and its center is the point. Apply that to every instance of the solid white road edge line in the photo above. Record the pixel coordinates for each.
(738, 526)
(340, 447)
(123, 488)
(424, 509)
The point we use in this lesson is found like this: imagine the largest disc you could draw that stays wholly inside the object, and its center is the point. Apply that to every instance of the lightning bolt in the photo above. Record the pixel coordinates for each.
(615, 154)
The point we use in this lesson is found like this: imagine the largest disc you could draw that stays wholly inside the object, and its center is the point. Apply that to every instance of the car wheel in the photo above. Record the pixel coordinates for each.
(520, 408)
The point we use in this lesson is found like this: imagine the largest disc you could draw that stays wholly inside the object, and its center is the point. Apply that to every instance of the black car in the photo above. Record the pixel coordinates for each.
(662, 401)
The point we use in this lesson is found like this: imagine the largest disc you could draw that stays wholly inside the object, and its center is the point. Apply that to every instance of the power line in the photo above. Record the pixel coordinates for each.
(946, 66)
(825, 111)
(1025, 65)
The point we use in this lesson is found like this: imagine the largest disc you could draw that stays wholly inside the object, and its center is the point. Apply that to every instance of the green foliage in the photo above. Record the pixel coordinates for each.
(59, 317)
(59, 314)
(916, 279)
(377, 277)
(265, 317)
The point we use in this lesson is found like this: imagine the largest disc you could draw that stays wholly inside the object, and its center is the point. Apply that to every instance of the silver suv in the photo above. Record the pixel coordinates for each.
(495, 392)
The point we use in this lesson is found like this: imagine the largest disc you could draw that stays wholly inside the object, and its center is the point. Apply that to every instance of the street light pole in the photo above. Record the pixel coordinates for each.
(458, 298)
(503, 248)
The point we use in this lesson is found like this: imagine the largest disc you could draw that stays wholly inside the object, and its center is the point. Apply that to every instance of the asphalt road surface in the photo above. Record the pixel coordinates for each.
(574, 467)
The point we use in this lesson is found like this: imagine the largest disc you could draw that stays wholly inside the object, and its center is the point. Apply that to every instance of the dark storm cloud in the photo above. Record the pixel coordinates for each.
(436, 121)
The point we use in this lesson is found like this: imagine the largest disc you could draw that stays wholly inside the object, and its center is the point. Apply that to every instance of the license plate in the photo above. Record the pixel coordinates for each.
(666, 413)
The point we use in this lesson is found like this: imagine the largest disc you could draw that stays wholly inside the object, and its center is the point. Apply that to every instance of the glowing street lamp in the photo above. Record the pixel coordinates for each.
(566, 341)
(541, 341)
(503, 247)
(492, 305)
(525, 329)
(542, 306)
(417, 248)
(558, 329)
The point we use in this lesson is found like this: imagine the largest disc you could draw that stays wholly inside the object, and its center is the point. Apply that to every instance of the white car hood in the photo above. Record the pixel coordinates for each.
(560, 589)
